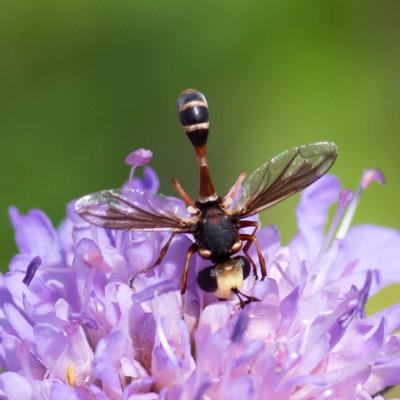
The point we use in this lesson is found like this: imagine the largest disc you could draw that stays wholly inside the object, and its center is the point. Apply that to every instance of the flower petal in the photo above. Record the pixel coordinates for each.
(312, 215)
(35, 235)
(373, 247)
(51, 343)
(61, 391)
(15, 387)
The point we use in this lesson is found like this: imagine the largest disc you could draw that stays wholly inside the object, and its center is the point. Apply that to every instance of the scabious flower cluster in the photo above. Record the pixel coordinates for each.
(72, 328)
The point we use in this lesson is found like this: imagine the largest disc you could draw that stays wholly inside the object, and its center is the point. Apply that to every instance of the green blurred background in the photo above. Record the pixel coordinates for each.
(84, 83)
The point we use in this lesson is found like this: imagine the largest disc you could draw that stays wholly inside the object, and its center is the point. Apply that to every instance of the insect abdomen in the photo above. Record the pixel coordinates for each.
(193, 113)
(222, 279)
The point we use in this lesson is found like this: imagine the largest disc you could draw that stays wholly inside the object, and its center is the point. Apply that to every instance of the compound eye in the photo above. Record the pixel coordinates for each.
(245, 264)
(207, 280)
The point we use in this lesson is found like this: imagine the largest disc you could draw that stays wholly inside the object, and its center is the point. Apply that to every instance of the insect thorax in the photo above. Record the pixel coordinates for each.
(217, 232)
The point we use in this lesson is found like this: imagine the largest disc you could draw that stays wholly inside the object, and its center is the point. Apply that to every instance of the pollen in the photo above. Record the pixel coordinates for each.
(69, 374)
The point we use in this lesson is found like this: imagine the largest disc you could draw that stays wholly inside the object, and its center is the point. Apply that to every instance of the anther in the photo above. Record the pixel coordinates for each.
(31, 270)
(69, 374)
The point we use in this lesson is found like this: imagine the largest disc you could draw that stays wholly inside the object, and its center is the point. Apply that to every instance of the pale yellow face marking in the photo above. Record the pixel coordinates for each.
(229, 276)
(193, 210)
(236, 246)
(205, 253)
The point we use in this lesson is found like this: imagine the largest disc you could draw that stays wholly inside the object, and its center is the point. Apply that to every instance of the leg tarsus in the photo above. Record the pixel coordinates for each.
(248, 299)
(246, 224)
(192, 249)
(250, 239)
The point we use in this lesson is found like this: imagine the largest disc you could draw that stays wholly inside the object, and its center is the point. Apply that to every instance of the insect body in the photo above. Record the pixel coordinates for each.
(214, 222)
(217, 234)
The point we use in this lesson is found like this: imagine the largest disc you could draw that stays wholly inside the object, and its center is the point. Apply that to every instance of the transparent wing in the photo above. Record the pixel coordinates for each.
(284, 175)
(134, 209)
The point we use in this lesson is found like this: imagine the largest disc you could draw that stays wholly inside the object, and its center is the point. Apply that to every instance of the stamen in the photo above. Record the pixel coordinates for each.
(69, 374)
(155, 290)
(87, 322)
(345, 319)
(284, 275)
(110, 236)
(346, 196)
(93, 232)
(137, 158)
(31, 270)
(372, 175)
(165, 345)
(369, 176)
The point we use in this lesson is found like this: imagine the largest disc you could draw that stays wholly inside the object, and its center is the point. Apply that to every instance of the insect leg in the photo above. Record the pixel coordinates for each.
(245, 224)
(163, 251)
(192, 249)
(248, 300)
(182, 193)
(253, 264)
(250, 239)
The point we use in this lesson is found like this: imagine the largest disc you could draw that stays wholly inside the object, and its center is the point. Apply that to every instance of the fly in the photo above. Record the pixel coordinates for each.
(215, 222)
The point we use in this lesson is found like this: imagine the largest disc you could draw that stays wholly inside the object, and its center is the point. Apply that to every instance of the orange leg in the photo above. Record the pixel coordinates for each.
(157, 262)
(245, 224)
(192, 249)
(250, 238)
(182, 193)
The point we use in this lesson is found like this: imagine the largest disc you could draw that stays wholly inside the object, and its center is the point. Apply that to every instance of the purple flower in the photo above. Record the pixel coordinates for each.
(72, 328)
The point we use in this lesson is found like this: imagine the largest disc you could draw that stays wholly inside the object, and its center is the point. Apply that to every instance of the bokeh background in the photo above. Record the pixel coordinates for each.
(84, 83)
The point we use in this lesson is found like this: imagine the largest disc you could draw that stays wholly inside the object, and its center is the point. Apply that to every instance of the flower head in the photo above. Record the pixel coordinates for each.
(73, 328)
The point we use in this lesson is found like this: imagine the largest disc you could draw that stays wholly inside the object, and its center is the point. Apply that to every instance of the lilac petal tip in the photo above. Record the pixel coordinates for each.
(202, 390)
(372, 175)
(359, 308)
(87, 322)
(345, 197)
(110, 237)
(31, 270)
(240, 328)
(364, 294)
(139, 157)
